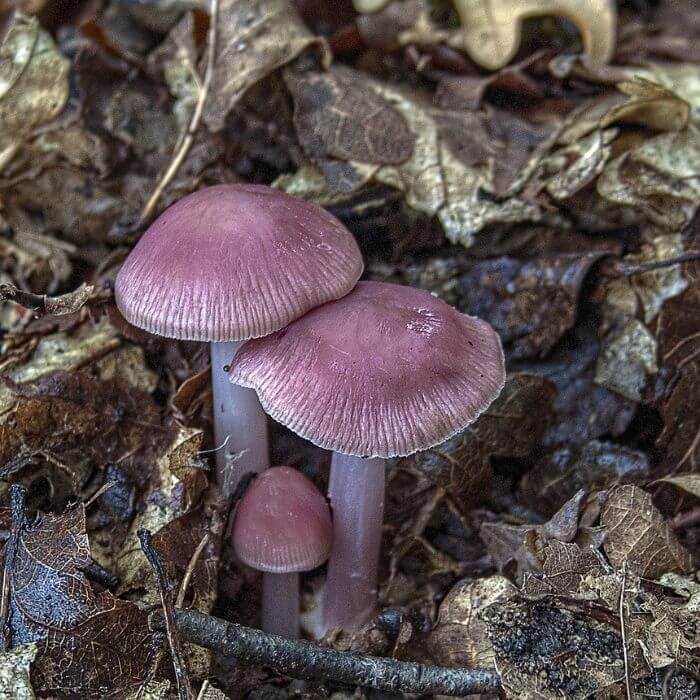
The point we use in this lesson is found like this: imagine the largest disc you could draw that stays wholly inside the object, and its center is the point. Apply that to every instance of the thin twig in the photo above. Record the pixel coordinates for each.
(187, 141)
(621, 612)
(629, 269)
(102, 490)
(166, 599)
(18, 494)
(305, 660)
(43, 305)
(190, 570)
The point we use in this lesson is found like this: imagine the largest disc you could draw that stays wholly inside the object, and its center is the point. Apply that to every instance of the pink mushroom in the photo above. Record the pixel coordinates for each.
(384, 372)
(226, 264)
(282, 527)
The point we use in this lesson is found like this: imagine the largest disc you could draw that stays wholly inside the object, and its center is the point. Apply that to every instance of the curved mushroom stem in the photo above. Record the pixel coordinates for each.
(239, 421)
(356, 492)
(280, 605)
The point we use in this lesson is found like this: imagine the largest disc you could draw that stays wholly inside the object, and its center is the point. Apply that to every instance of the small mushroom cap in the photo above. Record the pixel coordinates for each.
(384, 372)
(234, 262)
(283, 523)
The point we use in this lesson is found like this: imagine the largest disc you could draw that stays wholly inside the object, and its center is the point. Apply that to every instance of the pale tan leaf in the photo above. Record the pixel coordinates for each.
(33, 83)
(459, 638)
(627, 359)
(638, 537)
(254, 37)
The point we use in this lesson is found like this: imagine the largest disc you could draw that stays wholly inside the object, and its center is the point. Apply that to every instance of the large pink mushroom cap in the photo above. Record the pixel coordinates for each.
(383, 372)
(233, 262)
(283, 523)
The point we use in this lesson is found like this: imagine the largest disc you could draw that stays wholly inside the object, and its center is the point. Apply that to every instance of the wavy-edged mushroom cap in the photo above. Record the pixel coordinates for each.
(283, 523)
(233, 262)
(383, 372)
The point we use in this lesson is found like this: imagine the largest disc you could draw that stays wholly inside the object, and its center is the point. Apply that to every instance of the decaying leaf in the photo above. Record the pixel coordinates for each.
(510, 427)
(459, 636)
(544, 651)
(33, 83)
(638, 536)
(522, 548)
(458, 163)
(15, 668)
(107, 638)
(627, 359)
(558, 475)
(254, 39)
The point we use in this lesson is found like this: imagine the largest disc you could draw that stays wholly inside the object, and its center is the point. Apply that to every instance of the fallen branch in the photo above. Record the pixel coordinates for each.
(43, 305)
(166, 598)
(304, 660)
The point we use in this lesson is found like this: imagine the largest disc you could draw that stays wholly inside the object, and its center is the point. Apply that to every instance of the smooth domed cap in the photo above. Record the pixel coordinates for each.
(283, 523)
(384, 372)
(234, 262)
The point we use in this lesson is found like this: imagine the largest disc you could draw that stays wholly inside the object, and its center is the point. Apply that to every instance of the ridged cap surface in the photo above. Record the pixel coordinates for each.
(233, 262)
(383, 372)
(283, 523)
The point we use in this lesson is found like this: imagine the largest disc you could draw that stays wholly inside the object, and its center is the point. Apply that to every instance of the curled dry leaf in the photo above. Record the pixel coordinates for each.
(638, 537)
(659, 175)
(253, 39)
(33, 83)
(459, 636)
(523, 546)
(15, 666)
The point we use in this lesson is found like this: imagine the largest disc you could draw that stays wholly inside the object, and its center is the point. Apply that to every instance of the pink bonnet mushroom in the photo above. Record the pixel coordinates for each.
(385, 371)
(229, 263)
(282, 527)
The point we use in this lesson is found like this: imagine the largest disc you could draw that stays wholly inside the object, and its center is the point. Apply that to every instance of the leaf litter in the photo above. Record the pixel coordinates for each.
(536, 165)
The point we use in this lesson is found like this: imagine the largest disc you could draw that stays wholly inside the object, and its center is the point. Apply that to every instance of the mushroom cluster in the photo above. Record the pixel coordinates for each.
(368, 370)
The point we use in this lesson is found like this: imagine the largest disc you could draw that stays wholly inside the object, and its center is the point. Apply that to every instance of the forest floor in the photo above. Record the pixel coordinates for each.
(541, 173)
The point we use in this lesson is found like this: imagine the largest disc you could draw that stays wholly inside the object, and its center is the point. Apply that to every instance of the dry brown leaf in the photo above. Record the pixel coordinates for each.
(461, 166)
(253, 39)
(459, 636)
(53, 604)
(638, 537)
(33, 83)
(546, 652)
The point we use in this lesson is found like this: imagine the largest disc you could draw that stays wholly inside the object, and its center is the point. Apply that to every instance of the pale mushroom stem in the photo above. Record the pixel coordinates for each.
(356, 492)
(280, 605)
(239, 422)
